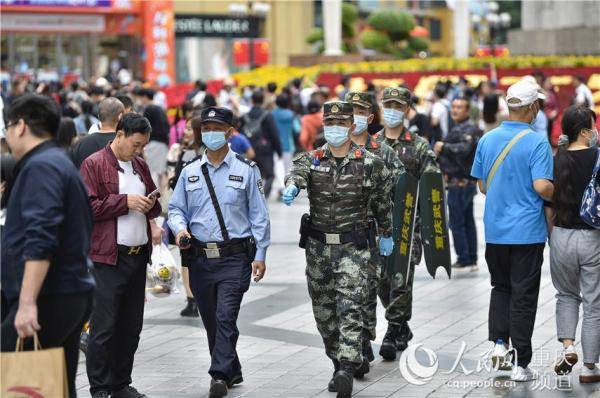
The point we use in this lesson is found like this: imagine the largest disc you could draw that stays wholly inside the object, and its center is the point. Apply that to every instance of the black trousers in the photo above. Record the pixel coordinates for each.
(218, 286)
(116, 321)
(515, 275)
(61, 318)
(266, 166)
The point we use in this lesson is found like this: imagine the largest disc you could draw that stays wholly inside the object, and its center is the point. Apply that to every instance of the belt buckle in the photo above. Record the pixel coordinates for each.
(333, 239)
(134, 250)
(212, 251)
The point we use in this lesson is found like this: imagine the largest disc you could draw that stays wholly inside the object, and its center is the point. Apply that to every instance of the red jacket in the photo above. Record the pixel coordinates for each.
(100, 175)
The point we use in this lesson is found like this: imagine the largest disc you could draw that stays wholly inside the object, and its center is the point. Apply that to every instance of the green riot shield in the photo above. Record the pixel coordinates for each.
(406, 197)
(434, 225)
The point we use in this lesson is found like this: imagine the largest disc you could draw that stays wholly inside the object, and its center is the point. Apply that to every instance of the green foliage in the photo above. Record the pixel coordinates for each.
(315, 36)
(376, 40)
(391, 34)
(349, 18)
(349, 13)
(418, 44)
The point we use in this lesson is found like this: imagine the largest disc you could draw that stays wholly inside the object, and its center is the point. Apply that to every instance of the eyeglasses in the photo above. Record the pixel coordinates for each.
(9, 125)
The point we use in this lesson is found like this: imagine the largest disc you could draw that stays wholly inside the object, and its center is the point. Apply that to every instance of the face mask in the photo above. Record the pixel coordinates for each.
(361, 124)
(214, 140)
(392, 117)
(335, 135)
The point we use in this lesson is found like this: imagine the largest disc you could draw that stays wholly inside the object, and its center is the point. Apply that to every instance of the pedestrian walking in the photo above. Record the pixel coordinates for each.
(46, 286)
(311, 131)
(575, 246)
(364, 109)
(514, 167)
(455, 154)
(124, 200)
(218, 212)
(157, 149)
(583, 94)
(258, 125)
(110, 111)
(342, 180)
(417, 157)
(86, 119)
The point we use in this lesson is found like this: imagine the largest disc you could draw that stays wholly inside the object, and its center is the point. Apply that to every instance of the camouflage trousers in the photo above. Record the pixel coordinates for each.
(337, 284)
(395, 295)
(375, 272)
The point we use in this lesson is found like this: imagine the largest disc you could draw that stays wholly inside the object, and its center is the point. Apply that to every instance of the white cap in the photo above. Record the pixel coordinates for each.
(522, 93)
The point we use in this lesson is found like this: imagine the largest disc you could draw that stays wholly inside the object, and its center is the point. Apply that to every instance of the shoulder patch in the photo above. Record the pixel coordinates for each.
(193, 178)
(245, 160)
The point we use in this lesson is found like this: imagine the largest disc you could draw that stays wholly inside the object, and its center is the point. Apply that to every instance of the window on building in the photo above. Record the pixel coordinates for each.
(435, 29)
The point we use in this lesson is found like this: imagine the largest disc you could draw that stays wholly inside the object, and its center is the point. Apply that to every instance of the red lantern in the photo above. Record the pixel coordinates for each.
(419, 31)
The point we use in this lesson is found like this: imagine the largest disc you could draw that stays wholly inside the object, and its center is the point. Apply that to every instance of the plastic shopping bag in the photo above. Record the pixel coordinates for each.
(163, 276)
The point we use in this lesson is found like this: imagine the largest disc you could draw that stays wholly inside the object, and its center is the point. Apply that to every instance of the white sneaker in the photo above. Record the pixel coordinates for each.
(501, 357)
(521, 374)
(589, 375)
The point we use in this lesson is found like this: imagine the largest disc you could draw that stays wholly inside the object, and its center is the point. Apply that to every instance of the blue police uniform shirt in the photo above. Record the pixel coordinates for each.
(513, 209)
(239, 191)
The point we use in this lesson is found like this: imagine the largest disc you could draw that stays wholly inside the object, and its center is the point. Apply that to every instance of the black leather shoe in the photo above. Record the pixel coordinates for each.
(343, 380)
(218, 388)
(101, 394)
(403, 337)
(191, 309)
(237, 379)
(388, 345)
(331, 386)
(128, 392)
(367, 350)
(363, 369)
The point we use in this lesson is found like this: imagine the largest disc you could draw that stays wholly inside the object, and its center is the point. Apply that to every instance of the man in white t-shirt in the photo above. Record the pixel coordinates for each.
(583, 94)
(124, 202)
(440, 113)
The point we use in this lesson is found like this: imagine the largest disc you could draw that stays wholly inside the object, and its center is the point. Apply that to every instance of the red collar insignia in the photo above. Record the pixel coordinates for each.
(374, 145)
(407, 136)
(358, 153)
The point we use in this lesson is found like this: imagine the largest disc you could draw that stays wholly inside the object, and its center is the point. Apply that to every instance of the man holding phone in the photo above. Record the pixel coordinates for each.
(123, 199)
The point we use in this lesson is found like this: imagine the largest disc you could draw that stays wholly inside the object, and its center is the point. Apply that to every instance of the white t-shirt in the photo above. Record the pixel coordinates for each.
(583, 94)
(131, 228)
(440, 112)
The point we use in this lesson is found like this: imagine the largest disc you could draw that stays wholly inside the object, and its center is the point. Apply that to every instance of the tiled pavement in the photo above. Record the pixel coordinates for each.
(281, 351)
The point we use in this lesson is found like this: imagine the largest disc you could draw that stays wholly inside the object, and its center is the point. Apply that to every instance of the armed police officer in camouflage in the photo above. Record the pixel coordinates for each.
(342, 181)
(414, 152)
(219, 207)
(364, 108)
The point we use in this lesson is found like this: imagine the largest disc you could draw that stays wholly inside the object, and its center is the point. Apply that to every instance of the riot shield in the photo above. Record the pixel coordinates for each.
(406, 197)
(434, 224)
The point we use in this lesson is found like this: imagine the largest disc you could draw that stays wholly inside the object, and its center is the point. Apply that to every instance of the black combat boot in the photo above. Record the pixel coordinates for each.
(388, 345)
(331, 385)
(367, 350)
(343, 380)
(363, 369)
(191, 309)
(403, 337)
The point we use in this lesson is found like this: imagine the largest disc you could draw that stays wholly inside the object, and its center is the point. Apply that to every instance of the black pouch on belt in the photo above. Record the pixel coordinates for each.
(372, 232)
(304, 230)
(361, 238)
(251, 246)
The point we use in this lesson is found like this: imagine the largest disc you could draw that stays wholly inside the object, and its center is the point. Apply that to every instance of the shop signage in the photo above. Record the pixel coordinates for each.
(216, 26)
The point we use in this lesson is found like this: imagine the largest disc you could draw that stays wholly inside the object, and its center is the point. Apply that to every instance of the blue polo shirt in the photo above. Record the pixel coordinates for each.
(513, 209)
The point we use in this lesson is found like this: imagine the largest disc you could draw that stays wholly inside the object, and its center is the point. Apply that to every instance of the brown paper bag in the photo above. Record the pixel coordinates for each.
(36, 374)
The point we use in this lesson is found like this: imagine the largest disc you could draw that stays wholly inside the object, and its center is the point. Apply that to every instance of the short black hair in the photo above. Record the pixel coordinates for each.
(463, 98)
(440, 90)
(576, 118)
(200, 85)
(147, 92)
(66, 132)
(271, 87)
(581, 78)
(96, 90)
(132, 123)
(39, 112)
(125, 100)
(258, 97)
(282, 101)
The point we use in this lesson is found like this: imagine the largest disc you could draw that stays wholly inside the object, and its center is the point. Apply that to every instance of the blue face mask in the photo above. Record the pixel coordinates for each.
(361, 124)
(335, 135)
(214, 140)
(392, 117)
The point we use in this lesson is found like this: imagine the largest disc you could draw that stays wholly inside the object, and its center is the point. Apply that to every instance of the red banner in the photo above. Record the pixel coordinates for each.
(159, 41)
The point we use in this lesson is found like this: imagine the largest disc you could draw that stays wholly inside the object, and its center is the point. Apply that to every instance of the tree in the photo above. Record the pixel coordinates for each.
(349, 18)
(389, 33)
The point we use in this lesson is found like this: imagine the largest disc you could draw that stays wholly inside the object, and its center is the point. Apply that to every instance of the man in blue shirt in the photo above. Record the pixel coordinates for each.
(219, 205)
(515, 228)
(46, 239)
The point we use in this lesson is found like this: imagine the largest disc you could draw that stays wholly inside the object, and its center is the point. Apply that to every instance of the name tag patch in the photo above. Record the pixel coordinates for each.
(193, 178)
(320, 168)
(236, 178)
(260, 186)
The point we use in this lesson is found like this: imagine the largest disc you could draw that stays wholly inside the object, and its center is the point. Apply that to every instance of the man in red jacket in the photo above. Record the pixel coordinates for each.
(123, 200)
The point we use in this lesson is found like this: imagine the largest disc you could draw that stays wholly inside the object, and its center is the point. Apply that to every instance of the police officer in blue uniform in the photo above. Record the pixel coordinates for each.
(218, 211)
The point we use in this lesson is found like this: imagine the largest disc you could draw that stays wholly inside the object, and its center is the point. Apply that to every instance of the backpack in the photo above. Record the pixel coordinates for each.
(254, 131)
(590, 204)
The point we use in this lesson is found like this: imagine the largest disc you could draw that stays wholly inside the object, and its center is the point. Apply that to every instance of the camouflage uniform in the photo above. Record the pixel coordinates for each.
(417, 157)
(377, 262)
(339, 196)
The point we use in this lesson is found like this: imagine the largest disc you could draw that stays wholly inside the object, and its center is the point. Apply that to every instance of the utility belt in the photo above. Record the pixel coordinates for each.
(223, 249)
(363, 238)
(133, 250)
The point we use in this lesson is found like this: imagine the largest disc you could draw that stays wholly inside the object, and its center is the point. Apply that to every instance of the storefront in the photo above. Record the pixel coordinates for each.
(59, 39)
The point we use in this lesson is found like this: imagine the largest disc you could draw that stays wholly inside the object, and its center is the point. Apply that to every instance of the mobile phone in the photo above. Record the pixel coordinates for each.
(154, 193)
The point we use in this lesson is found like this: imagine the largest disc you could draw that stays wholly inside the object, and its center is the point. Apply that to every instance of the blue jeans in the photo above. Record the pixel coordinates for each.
(462, 222)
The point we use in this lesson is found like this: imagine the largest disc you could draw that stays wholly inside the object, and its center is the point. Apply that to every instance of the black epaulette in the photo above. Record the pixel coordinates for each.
(199, 157)
(245, 160)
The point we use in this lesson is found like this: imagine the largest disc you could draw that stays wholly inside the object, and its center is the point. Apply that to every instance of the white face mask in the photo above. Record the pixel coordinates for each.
(335, 135)
(361, 123)
(392, 117)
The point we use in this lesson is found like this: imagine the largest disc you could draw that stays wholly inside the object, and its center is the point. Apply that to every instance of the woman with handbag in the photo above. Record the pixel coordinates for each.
(575, 245)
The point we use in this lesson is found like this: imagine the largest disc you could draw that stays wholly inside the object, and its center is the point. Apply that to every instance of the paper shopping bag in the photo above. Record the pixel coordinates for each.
(37, 374)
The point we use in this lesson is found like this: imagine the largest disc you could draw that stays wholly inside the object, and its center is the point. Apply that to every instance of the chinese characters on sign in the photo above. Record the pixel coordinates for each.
(438, 219)
(159, 41)
(406, 225)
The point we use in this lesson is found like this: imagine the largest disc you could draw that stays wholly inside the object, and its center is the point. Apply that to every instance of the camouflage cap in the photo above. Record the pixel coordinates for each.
(398, 94)
(364, 100)
(337, 110)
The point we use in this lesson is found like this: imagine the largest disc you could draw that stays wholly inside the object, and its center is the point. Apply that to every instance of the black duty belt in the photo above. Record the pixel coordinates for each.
(132, 250)
(333, 239)
(222, 249)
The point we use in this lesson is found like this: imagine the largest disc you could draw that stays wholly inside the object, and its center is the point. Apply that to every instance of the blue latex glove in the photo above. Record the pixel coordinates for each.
(289, 193)
(386, 245)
